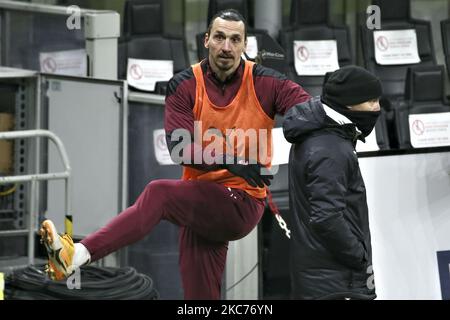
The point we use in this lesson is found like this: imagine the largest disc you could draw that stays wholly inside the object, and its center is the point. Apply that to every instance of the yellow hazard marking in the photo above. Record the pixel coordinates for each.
(2, 286)
(68, 224)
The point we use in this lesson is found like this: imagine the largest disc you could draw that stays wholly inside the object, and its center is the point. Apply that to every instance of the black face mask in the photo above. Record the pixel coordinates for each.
(364, 120)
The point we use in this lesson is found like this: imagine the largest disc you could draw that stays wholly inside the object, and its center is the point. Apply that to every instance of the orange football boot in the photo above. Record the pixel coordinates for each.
(60, 251)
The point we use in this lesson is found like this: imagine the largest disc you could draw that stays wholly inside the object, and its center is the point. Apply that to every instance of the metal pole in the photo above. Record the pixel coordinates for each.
(68, 224)
(37, 170)
(268, 16)
(31, 222)
(101, 32)
(68, 204)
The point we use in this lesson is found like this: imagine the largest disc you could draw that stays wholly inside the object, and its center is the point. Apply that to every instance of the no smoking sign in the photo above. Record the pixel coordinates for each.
(382, 43)
(49, 65)
(418, 127)
(302, 53)
(136, 72)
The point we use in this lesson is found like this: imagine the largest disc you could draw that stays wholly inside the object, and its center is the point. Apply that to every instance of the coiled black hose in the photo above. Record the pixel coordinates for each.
(96, 283)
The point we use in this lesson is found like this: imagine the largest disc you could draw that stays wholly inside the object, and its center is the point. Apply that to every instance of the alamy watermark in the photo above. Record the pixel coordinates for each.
(74, 280)
(213, 146)
(371, 279)
(73, 22)
(374, 18)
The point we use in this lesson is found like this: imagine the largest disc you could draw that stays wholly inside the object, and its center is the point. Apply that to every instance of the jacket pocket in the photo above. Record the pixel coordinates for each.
(366, 253)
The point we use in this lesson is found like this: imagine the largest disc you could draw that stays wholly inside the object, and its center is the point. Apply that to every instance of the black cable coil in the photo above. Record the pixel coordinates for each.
(31, 283)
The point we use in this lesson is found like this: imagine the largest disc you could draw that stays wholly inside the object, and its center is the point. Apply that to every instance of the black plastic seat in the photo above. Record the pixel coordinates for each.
(144, 38)
(396, 15)
(309, 21)
(424, 93)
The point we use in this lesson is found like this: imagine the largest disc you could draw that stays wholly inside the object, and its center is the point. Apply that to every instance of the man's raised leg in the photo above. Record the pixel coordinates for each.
(214, 212)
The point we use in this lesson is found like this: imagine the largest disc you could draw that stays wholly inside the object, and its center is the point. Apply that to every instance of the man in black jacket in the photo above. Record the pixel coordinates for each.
(330, 254)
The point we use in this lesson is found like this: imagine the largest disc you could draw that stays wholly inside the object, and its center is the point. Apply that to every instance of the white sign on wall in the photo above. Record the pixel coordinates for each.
(315, 58)
(160, 146)
(143, 74)
(68, 62)
(429, 130)
(252, 47)
(396, 47)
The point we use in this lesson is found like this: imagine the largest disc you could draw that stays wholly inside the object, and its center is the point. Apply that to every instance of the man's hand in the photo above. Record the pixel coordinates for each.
(252, 173)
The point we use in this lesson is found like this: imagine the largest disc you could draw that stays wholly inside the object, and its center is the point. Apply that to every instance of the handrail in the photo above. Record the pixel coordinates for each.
(33, 178)
(39, 176)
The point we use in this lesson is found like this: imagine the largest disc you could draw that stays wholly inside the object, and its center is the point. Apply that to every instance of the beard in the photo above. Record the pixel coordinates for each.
(224, 63)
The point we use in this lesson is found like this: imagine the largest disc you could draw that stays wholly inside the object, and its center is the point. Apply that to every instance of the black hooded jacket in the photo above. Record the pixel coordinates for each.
(330, 254)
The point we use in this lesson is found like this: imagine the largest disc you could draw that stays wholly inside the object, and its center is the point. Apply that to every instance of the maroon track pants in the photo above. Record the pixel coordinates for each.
(209, 215)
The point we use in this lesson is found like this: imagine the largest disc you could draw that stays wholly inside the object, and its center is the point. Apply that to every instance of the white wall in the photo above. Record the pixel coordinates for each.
(409, 207)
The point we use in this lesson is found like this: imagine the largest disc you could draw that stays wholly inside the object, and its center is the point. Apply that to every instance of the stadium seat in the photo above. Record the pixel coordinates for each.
(144, 38)
(396, 15)
(309, 21)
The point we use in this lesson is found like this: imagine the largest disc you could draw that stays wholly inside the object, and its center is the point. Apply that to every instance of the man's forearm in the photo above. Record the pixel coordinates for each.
(192, 155)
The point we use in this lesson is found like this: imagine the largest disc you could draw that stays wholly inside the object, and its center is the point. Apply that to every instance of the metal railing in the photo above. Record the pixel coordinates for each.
(34, 178)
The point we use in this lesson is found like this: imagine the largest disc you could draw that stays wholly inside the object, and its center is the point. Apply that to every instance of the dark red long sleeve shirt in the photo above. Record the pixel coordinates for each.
(275, 92)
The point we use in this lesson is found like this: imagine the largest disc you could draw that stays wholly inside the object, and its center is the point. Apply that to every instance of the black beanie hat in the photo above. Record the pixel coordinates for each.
(349, 86)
